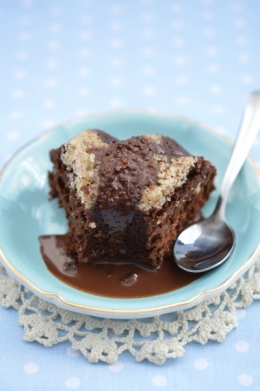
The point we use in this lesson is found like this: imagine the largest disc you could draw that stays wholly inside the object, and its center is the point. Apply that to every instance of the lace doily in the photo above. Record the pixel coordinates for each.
(155, 339)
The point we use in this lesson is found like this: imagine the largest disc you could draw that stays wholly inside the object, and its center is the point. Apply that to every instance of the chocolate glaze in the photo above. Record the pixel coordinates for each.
(126, 169)
(119, 280)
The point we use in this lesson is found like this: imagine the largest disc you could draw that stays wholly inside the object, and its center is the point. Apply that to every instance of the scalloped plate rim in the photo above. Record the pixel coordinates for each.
(115, 313)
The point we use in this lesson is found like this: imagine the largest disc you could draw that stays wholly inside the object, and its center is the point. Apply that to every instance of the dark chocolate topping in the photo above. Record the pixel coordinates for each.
(171, 148)
(127, 168)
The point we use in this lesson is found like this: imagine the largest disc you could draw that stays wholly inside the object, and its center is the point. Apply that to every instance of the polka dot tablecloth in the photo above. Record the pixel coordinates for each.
(67, 58)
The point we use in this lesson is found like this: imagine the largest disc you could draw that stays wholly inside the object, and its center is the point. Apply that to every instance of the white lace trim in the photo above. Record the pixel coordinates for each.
(155, 339)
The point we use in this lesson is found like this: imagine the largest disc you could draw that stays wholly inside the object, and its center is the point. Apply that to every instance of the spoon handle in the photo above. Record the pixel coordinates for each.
(248, 131)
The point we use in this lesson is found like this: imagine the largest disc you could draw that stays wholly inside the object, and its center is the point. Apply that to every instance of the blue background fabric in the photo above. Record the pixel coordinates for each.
(61, 59)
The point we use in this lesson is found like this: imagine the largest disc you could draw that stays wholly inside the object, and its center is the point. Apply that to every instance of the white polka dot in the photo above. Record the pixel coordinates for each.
(84, 72)
(116, 367)
(201, 364)
(218, 110)
(83, 92)
(21, 55)
(73, 353)
(49, 103)
(147, 34)
(72, 383)
(148, 52)
(85, 35)
(50, 83)
(213, 68)
(55, 28)
(116, 10)
(86, 19)
(25, 20)
(24, 36)
(149, 91)
(245, 379)
(31, 368)
(240, 22)
(19, 74)
(17, 94)
(159, 381)
(54, 44)
(52, 63)
(116, 26)
(178, 42)
(180, 60)
(15, 114)
(116, 103)
(116, 62)
(85, 53)
(240, 313)
(116, 43)
(209, 32)
(246, 79)
(178, 24)
(116, 81)
(55, 10)
(241, 41)
(147, 18)
(211, 51)
(215, 89)
(86, 3)
(236, 6)
(181, 79)
(177, 8)
(13, 136)
(244, 58)
(207, 15)
(206, 2)
(27, 3)
(242, 346)
(149, 71)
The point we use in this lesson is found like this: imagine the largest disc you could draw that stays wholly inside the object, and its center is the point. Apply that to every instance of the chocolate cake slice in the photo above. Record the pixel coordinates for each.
(127, 200)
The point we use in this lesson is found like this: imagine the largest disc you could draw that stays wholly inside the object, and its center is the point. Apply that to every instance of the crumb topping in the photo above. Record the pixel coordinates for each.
(171, 175)
(156, 138)
(79, 157)
(156, 155)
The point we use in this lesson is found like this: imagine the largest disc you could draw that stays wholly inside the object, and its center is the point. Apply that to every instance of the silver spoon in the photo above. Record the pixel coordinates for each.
(207, 244)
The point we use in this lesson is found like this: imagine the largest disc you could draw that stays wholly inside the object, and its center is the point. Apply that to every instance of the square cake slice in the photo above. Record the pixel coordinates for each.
(127, 200)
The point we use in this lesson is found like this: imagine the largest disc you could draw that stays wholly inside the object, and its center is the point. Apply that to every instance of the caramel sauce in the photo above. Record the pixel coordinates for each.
(118, 279)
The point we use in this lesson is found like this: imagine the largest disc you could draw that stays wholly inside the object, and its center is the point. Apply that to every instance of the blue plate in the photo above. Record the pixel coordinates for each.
(27, 213)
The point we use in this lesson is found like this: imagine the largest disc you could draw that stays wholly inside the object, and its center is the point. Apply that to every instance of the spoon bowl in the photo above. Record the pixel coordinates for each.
(207, 244)
(204, 245)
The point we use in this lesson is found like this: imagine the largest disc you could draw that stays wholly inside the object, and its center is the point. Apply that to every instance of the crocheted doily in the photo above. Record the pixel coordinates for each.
(154, 339)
